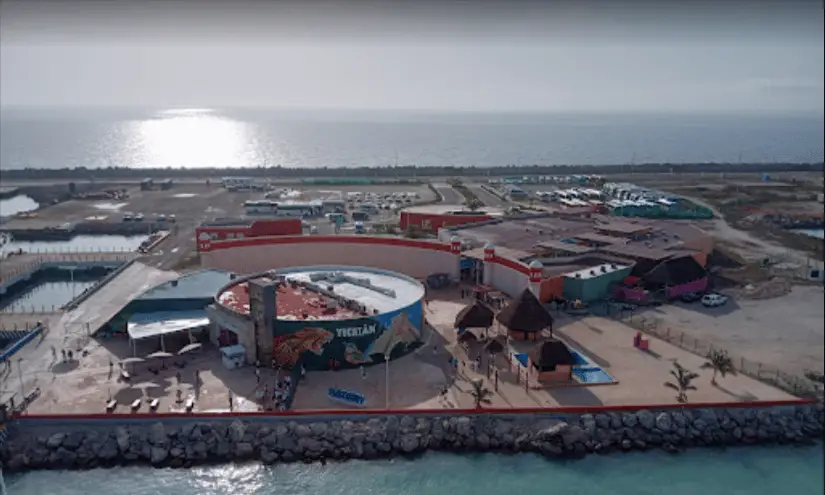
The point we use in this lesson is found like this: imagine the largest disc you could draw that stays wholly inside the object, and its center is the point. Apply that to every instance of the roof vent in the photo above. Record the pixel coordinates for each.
(578, 275)
(592, 272)
(232, 276)
(604, 269)
(331, 288)
(174, 283)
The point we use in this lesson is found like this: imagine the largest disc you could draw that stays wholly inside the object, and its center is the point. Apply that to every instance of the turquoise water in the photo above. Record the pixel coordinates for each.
(744, 471)
(592, 375)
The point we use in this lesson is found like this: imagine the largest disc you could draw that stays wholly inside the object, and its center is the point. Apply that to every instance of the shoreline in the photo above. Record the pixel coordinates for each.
(394, 174)
(82, 443)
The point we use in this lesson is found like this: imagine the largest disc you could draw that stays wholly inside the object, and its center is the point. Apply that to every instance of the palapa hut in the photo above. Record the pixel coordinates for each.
(476, 315)
(552, 361)
(496, 345)
(525, 317)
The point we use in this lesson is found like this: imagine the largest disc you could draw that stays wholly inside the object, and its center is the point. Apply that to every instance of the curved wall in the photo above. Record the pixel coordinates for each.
(414, 258)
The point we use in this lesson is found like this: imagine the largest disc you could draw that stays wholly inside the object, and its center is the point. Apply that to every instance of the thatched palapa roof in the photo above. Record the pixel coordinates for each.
(547, 355)
(476, 315)
(675, 271)
(496, 346)
(525, 314)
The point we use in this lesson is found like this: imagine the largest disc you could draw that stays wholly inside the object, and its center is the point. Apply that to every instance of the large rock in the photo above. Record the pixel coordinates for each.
(159, 455)
(122, 438)
(157, 435)
(55, 440)
(646, 419)
(663, 422)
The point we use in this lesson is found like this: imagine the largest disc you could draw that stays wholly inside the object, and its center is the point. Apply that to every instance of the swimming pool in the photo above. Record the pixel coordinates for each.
(584, 369)
(592, 375)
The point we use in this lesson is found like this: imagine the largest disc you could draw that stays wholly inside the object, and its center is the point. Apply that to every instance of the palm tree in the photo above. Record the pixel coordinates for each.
(481, 394)
(720, 362)
(683, 378)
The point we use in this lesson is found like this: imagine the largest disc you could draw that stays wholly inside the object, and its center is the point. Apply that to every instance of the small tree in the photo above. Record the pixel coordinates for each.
(474, 204)
(720, 362)
(682, 384)
(481, 394)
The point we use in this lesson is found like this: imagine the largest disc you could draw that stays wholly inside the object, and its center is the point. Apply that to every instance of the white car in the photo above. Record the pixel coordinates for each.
(714, 300)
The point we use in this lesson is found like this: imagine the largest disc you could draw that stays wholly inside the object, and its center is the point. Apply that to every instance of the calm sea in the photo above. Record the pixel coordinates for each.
(748, 471)
(211, 138)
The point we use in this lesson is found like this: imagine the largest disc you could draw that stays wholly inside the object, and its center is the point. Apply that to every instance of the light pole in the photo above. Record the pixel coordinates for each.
(20, 376)
(387, 382)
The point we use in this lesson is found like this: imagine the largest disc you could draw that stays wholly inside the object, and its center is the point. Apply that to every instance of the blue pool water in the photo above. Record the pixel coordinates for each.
(580, 359)
(592, 375)
(585, 370)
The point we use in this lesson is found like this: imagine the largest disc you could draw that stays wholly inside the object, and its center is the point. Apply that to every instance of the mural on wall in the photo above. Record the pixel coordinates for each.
(323, 344)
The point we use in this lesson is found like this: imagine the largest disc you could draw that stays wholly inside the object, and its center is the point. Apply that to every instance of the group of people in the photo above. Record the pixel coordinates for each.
(276, 398)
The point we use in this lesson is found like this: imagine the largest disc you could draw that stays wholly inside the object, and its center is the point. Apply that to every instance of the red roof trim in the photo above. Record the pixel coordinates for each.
(338, 239)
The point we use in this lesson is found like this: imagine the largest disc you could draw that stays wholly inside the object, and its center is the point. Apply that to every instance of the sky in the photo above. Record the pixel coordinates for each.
(586, 56)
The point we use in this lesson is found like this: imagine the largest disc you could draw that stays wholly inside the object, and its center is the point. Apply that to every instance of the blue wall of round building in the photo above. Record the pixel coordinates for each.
(341, 344)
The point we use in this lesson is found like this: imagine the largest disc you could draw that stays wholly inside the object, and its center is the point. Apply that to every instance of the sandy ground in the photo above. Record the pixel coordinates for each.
(641, 375)
(785, 332)
(84, 384)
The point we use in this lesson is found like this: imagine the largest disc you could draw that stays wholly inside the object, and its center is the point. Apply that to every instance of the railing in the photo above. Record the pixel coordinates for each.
(795, 385)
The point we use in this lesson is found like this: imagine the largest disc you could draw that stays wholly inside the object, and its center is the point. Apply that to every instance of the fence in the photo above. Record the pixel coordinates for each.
(795, 385)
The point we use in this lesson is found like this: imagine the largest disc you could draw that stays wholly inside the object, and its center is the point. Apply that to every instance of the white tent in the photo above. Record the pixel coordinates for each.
(148, 325)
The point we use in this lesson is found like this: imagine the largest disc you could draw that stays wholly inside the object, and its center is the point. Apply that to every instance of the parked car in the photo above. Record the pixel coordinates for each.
(714, 300)
(691, 297)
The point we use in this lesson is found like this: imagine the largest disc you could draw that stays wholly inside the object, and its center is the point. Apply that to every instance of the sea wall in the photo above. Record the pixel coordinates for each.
(186, 441)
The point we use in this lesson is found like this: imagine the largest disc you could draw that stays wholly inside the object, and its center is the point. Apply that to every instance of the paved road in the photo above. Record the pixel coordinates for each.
(450, 195)
(487, 198)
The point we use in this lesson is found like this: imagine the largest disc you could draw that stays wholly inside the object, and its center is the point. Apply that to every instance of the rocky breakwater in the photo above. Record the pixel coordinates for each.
(178, 444)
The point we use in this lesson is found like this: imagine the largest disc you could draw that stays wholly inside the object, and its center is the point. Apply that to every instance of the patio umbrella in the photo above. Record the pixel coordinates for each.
(189, 348)
(132, 360)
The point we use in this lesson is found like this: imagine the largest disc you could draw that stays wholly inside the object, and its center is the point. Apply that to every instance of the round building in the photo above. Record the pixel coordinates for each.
(319, 317)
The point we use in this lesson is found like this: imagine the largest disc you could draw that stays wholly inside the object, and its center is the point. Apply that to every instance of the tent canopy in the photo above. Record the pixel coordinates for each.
(476, 315)
(146, 325)
(525, 314)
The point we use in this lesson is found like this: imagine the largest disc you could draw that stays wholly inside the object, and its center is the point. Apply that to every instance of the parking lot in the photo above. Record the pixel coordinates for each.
(784, 332)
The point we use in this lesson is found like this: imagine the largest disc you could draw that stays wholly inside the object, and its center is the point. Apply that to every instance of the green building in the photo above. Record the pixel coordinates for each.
(595, 283)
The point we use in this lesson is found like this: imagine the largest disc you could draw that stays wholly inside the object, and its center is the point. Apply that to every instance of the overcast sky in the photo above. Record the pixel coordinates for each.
(485, 56)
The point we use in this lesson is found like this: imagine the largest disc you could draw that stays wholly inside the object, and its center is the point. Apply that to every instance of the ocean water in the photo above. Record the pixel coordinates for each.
(743, 471)
(235, 138)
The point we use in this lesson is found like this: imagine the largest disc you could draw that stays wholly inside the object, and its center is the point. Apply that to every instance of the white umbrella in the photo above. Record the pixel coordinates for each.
(189, 348)
(132, 360)
(159, 355)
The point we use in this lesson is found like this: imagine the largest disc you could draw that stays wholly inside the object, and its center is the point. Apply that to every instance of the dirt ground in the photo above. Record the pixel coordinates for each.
(784, 332)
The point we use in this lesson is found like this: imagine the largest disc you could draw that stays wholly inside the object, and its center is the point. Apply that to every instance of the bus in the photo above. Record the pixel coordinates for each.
(238, 183)
(261, 207)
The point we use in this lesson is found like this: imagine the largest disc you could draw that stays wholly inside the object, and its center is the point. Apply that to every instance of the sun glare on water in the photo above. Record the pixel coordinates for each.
(193, 138)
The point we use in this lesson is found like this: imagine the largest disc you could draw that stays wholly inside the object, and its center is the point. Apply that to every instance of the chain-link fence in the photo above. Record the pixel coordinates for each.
(795, 385)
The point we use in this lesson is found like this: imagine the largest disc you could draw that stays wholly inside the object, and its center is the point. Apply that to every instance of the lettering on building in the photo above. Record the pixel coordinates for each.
(356, 331)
